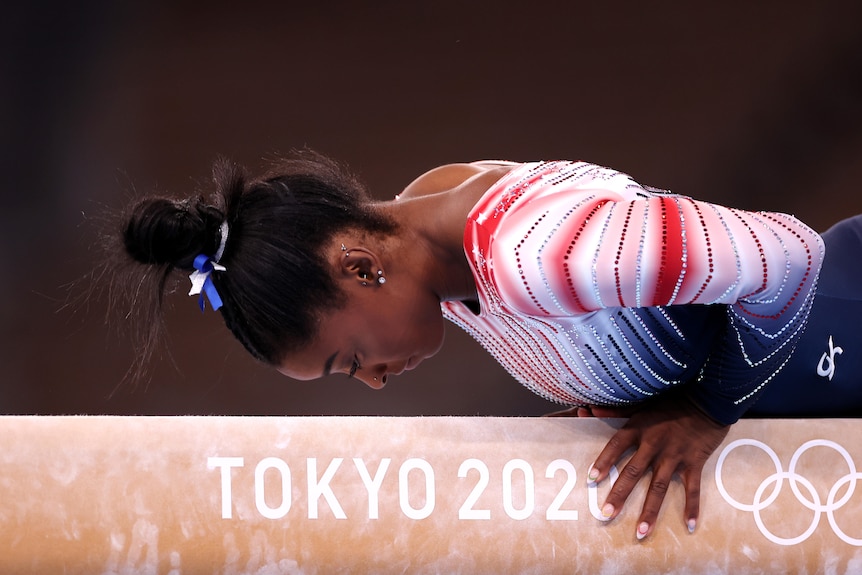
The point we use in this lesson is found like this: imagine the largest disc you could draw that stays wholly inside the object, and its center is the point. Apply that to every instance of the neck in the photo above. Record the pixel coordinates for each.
(430, 243)
(427, 251)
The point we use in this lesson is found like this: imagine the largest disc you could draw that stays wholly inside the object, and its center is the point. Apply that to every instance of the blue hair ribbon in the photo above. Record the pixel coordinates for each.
(202, 282)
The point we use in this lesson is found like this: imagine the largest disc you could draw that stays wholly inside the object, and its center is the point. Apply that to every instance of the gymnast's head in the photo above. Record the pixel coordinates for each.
(296, 262)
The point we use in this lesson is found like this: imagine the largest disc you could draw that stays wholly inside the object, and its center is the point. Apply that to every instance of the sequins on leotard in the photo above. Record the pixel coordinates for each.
(575, 265)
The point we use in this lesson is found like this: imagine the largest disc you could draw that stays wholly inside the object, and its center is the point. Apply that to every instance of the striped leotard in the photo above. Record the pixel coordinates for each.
(594, 289)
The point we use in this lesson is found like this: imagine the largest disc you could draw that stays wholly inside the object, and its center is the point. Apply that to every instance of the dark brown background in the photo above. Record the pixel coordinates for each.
(753, 104)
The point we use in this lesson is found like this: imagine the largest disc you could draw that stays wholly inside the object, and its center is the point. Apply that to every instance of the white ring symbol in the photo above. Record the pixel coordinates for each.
(795, 479)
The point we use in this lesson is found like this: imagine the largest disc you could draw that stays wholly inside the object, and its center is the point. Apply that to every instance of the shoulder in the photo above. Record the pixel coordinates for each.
(450, 176)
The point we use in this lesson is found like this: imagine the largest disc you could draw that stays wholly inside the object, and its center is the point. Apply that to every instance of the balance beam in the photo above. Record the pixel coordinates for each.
(188, 495)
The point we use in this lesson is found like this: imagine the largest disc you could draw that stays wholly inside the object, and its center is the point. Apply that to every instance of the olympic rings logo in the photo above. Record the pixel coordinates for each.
(812, 501)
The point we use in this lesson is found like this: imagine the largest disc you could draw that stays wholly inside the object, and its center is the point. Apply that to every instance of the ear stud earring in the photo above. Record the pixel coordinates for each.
(380, 279)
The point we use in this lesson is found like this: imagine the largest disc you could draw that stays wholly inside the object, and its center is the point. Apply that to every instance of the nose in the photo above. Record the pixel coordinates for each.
(375, 378)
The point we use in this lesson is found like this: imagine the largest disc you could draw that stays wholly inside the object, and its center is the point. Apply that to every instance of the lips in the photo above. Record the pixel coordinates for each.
(412, 363)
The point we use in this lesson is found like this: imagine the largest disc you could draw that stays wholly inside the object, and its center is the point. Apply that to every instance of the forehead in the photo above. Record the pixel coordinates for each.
(321, 356)
(307, 364)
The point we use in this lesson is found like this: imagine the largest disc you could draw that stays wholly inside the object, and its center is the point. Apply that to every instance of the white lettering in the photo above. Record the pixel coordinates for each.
(554, 512)
(404, 488)
(529, 489)
(413, 502)
(260, 489)
(372, 485)
(467, 511)
(316, 488)
(225, 464)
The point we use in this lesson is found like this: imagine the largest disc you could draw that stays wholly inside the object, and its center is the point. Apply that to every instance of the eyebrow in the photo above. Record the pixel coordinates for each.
(327, 365)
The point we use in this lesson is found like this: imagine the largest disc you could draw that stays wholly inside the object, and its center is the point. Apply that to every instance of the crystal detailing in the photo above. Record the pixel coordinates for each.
(575, 265)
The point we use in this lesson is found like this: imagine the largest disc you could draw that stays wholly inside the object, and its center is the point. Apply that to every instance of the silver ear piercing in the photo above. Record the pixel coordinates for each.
(380, 279)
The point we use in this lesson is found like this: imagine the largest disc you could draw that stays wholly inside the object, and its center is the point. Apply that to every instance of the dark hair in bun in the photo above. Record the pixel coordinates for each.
(277, 282)
(164, 231)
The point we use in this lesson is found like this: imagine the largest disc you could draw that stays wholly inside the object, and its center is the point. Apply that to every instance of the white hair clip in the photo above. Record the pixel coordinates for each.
(202, 283)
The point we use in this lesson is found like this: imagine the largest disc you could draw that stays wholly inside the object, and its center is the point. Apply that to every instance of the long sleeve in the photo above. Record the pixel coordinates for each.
(621, 245)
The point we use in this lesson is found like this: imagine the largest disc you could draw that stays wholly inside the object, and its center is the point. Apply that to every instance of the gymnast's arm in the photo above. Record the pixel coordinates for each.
(762, 266)
(670, 250)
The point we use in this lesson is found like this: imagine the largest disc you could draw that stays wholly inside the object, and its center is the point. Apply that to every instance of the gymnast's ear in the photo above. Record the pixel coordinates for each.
(360, 266)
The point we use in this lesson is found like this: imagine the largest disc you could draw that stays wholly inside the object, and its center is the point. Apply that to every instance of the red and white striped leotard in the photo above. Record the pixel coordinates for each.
(583, 278)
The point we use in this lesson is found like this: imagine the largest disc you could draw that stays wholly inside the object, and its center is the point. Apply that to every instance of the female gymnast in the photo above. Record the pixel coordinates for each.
(603, 295)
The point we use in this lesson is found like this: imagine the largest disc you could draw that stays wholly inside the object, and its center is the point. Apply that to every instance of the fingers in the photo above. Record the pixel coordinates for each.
(629, 476)
(621, 441)
(593, 411)
(659, 484)
(634, 471)
(692, 480)
(576, 411)
(652, 502)
(655, 499)
(668, 438)
(617, 446)
(570, 412)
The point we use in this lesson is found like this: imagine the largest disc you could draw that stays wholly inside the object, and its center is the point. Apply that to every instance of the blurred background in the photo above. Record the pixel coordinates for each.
(752, 104)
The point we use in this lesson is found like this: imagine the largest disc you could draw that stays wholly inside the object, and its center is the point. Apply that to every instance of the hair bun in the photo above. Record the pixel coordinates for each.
(162, 231)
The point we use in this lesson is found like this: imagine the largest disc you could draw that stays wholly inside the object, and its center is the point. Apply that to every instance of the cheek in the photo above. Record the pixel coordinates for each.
(431, 332)
(417, 333)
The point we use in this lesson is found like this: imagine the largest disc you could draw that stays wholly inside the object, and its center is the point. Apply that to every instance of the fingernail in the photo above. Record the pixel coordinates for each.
(593, 474)
(692, 523)
(642, 530)
(607, 511)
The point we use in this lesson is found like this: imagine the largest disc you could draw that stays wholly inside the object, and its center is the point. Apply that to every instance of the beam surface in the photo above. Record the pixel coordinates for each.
(321, 495)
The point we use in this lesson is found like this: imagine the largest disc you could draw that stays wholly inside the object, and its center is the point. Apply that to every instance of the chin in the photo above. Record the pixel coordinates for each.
(436, 347)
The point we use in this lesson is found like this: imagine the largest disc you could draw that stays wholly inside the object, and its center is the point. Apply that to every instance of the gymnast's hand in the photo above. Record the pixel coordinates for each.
(671, 436)
(595, 411)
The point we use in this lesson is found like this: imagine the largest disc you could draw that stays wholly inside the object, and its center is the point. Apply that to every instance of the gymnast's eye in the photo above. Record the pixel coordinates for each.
(355, 366)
